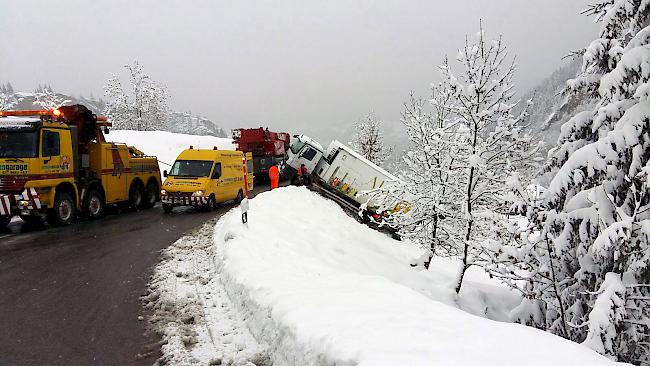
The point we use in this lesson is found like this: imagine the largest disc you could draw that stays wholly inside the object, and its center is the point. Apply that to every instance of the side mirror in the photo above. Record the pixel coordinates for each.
(165, 173)
(106, 130)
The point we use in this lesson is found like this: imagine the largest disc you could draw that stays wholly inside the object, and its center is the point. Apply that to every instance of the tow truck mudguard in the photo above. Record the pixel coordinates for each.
(12, 204)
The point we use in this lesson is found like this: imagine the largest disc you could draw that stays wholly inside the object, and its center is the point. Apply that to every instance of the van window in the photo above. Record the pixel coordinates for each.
(216, 173)
(51, 144)
(309, 154)
(191, 168)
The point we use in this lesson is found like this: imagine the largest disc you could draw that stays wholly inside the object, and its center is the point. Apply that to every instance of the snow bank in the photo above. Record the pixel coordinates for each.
(192, 311)
(321, 289)
(167, 145)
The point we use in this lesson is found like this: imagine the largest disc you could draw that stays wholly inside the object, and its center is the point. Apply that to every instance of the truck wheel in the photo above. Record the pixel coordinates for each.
(95, 205)
(4, 222)
(212, 203)
(240, 196)
(63, 211)
(151, 195)
(167, 208)
(136, 196)
(35, 222)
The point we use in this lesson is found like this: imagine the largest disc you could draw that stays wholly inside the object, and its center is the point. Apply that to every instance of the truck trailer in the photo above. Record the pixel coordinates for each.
(55, 163)
(340, 173)
(268, 148)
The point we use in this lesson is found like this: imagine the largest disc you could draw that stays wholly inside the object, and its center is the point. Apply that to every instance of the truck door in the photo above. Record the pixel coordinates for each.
(55, 160)
(307, 157)
(114, 172)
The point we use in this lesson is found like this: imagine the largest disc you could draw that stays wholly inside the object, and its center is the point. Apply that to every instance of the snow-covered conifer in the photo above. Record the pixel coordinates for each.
(585, 253)
(46, 98)
(8, 98)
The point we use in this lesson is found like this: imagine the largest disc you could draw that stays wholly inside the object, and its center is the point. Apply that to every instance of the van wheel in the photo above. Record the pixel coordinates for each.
(240, 196)
(212, 203)
(63, 211)
(151, 195)
(4, 222)
(95, 204)
(167, 208)
(136, 196)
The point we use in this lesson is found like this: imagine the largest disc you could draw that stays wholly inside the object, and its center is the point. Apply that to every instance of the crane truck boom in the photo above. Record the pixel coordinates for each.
(56, 162)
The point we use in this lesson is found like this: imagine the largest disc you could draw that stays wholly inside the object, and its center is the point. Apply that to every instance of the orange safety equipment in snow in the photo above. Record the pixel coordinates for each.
(274, 176)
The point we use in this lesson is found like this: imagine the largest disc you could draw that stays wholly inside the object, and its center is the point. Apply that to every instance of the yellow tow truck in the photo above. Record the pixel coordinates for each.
(204, 178)
(56, 163)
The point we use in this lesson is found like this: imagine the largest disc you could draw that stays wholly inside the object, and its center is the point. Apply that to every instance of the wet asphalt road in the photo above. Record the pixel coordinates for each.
(70, 296)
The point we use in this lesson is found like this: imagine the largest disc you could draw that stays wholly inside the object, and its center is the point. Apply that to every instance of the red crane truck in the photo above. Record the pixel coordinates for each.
(268, 148)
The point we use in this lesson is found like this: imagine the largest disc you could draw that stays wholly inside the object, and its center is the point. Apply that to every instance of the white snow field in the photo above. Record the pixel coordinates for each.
(311, 286)
(167, 145)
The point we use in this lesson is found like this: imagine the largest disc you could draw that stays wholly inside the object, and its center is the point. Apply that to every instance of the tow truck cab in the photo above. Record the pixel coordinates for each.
(203, 178)
(36, 156)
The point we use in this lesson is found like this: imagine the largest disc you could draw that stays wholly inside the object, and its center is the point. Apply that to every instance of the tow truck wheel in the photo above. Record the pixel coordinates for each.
(63, 211)
(167, 208)
(151, 195)
(135, 196)
(94, 205)
(33, 221)
(240, 196)
(4, 222)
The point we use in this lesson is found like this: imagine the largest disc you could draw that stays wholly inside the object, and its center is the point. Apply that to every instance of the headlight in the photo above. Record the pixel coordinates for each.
(163, 192)
(198, 194)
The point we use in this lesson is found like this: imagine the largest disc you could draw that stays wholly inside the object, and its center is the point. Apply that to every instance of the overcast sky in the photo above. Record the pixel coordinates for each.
(304, 66)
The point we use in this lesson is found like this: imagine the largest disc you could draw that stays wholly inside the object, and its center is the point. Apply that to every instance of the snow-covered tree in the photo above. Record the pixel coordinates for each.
(585, 255)
(368, 139)
(463, 154)
(46, 98)
(427, 193)
(491, 142)
(143, 106)
(8, 97)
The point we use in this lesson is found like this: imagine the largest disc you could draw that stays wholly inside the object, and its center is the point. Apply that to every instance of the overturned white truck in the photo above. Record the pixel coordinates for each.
(340, 173)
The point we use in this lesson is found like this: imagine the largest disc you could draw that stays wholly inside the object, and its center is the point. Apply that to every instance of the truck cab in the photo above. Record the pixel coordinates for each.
(204, 178)
(302, 151)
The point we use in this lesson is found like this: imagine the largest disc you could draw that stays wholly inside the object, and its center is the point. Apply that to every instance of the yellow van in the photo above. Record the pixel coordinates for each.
(203, 178)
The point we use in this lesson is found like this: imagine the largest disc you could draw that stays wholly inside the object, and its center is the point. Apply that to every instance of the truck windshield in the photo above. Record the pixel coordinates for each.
(18, 144)
(191, 168)
(296, 146)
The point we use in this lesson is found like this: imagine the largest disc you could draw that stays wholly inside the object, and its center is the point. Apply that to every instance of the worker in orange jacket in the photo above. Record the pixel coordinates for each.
(274, 176)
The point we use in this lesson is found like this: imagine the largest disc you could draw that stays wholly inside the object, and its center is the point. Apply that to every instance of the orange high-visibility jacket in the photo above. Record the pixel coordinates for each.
(274, 173)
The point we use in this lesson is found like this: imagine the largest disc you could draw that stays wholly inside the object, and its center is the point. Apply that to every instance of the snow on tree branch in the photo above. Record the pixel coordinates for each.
(368, 139)
(141, 106)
